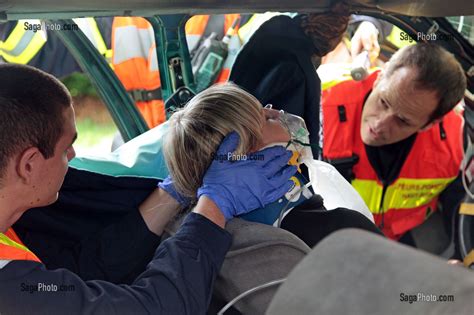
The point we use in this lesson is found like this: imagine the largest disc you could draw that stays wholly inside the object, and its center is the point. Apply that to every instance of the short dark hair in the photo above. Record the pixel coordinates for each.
(437, 70)
(32, 105)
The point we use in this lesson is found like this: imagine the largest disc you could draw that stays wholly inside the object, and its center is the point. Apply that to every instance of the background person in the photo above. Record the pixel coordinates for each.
(283, 55)
(364, 33)
(396, 137)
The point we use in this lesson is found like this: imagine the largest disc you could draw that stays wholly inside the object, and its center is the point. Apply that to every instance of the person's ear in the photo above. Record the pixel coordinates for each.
(29, 162)
(431, 124)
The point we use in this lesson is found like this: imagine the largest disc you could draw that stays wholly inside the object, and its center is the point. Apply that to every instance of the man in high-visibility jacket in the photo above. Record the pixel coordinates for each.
(20, 41)
(396, 136)
(37, 135)
(32, 42)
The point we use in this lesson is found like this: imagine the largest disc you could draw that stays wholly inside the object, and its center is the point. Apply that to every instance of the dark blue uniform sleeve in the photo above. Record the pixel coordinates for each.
(178, 280)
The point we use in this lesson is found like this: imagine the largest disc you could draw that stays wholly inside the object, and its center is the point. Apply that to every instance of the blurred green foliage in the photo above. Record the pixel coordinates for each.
(93, 135)
(79, 85)
(94, 126)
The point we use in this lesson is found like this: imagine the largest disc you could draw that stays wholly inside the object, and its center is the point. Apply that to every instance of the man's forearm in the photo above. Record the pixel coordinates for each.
(207, 208)
(158, 209)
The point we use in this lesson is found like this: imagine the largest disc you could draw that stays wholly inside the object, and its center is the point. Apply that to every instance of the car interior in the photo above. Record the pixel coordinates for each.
(168, 18)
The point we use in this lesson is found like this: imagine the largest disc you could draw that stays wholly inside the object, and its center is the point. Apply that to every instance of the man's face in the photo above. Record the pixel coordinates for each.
(51, 176)
(395, 110)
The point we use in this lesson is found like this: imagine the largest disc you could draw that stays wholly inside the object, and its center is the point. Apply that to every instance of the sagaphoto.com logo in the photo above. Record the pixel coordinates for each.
(233, 157)
(36, 26)
(426, 37)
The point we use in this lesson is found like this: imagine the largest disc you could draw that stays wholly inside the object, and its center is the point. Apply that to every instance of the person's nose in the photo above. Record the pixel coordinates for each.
(382, 121)
(379, 122)
(71, 153)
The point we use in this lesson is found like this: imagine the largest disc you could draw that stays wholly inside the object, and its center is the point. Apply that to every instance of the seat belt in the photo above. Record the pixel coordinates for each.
(142, 95)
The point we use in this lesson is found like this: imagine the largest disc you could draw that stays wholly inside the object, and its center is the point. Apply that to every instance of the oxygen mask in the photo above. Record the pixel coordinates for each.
(299, 136)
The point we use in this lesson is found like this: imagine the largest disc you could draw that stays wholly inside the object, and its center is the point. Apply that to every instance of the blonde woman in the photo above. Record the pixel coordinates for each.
(196, 131)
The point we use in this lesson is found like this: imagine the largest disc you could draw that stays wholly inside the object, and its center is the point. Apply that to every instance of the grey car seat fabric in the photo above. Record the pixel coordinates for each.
(355, 272)
(259, 254)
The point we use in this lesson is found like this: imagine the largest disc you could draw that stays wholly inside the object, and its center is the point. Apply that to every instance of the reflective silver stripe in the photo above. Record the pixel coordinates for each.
(3, 263)
(153, 62)
(22, 44)
(87, 30)
(131, 42)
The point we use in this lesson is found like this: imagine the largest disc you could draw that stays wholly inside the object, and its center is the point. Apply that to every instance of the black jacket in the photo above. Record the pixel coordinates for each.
(94, 229)
(275, 66)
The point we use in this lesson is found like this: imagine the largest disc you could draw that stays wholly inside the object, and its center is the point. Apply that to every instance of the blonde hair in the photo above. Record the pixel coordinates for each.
(196, 131)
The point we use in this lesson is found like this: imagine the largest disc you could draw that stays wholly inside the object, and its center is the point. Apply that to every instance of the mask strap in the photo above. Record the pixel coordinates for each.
(305, 144)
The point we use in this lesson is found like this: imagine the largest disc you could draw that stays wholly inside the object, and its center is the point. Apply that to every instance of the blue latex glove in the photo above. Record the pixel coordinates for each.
(167, 185)
(241, 186)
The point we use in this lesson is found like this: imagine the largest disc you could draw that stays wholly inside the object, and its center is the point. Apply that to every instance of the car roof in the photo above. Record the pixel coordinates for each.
(54, 9)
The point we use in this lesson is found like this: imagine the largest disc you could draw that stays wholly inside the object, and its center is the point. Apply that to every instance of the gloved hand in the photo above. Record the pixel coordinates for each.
(167, 185)
(238, 187)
